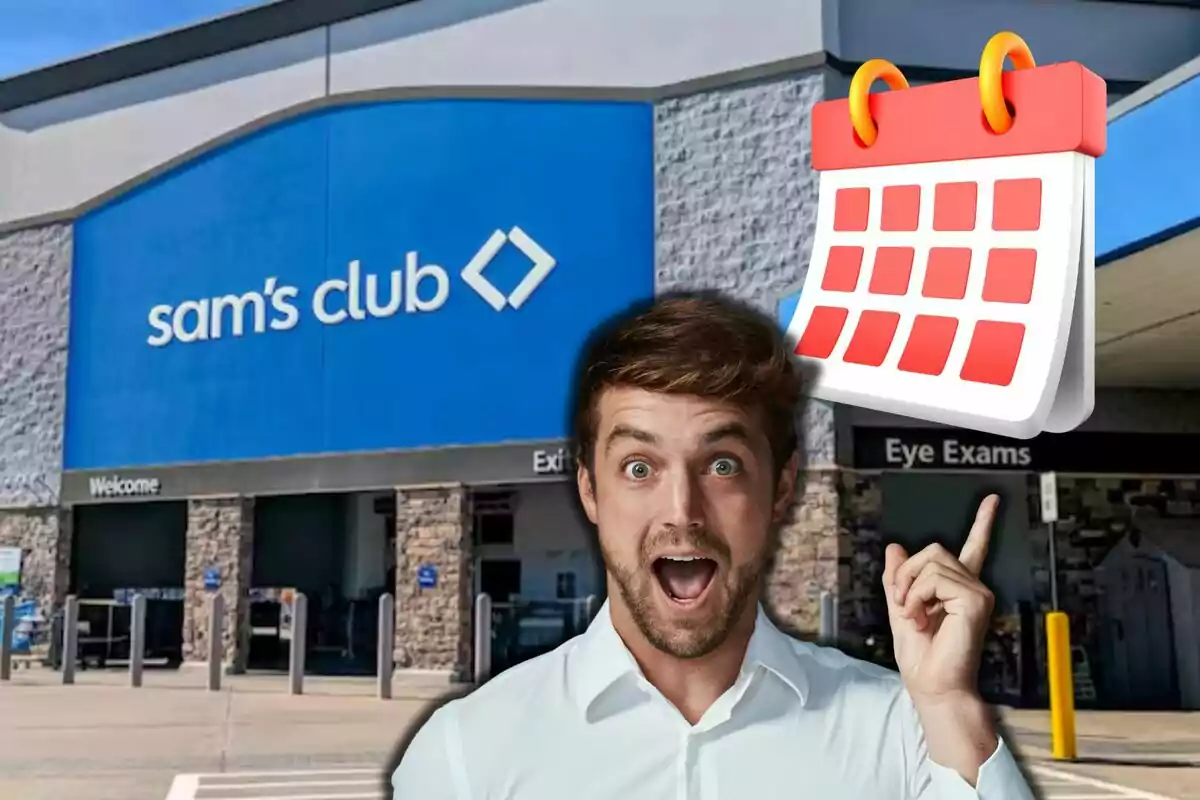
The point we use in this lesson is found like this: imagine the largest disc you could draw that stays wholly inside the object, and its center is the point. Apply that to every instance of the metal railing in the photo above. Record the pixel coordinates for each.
(524, 629)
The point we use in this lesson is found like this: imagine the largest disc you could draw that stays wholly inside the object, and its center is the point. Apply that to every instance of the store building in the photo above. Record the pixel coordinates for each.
(1128, 539)
(292, 299)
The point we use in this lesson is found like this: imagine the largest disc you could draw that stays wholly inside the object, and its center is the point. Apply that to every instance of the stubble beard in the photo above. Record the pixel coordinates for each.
(687, 638)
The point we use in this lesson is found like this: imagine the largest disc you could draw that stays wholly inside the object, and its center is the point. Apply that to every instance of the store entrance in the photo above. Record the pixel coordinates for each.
(339, 551)
(535, 558)
(120, 550)
(922, 508)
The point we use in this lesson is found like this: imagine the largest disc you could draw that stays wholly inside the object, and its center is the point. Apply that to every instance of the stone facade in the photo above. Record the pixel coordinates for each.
(1094, 514)
(737, 208)
(44, 536)
(35, 277)
(220, 535)
(433, 624)
(864, 628)
(737, 202)
(809, 558)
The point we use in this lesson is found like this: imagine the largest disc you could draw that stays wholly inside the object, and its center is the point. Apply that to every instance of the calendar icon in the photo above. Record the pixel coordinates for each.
(952, 277)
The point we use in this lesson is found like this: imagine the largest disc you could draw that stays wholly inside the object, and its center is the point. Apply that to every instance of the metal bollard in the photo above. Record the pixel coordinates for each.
(385, 662)
(216, 641)
(589, 609)
(483, 638)
(7, 631)
(70, 639)
(137, 639)
(299, 640)
(829, 606)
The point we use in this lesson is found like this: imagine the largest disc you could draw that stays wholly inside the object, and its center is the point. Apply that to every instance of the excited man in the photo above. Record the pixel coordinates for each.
(682, 689)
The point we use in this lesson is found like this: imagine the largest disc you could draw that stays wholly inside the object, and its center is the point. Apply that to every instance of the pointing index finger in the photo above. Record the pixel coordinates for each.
(975, 549)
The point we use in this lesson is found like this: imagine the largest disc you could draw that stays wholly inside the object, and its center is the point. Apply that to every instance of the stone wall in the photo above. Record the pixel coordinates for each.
(809, 558)
(863, 625)
(44, 536)
(433, 624)
(1094, 514)
(35, 277)
(737, 208)
(737, 202)
(220, 535)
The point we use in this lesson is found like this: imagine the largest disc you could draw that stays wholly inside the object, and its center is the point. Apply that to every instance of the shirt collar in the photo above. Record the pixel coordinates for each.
(601, 659)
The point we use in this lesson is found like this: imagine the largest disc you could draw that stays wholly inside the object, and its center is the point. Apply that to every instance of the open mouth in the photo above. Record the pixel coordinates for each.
(685, 579)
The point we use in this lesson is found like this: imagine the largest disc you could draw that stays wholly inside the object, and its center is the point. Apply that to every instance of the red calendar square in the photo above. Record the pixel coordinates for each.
(952, 271)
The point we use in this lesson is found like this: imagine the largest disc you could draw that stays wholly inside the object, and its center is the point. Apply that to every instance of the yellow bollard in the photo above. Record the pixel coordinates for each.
(1062, 686)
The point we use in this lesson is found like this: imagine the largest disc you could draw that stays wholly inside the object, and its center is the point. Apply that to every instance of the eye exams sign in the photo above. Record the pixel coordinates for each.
(416, 289)
(953, 453)
(927, 449)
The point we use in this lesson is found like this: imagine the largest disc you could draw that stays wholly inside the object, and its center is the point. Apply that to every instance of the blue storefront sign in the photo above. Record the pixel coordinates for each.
(393, 275)
(427, 576)
(212, 579)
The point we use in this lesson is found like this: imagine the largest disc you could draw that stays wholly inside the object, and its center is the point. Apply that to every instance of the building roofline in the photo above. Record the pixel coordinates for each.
(212, 37)
(262, 24)
(1155, 89)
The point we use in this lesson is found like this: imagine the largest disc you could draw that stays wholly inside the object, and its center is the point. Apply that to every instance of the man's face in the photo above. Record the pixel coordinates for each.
(685, 500)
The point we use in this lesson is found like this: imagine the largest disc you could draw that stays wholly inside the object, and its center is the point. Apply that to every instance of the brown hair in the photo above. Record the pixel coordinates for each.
(694, 344)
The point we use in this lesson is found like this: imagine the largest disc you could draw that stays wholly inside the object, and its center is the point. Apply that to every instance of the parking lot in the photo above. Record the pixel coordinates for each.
(363, 783)
(172, 740)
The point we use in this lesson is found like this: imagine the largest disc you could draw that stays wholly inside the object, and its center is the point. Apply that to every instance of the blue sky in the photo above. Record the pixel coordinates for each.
(36, 33)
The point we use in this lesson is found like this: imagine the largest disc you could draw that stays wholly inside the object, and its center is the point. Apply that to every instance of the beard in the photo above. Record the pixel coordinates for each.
(693, 635)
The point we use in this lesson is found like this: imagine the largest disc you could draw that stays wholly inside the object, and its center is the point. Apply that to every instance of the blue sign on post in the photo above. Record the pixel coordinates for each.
(212, 579)
(463, 243)
(427, 576)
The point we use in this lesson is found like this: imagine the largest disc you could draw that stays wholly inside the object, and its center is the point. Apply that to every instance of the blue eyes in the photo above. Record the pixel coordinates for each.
(724, 467)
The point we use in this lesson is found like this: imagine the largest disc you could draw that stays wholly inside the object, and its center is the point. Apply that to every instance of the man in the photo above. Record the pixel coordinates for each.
(682, 688)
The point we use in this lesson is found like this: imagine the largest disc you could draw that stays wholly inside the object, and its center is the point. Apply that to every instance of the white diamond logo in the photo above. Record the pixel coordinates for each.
(543, 262)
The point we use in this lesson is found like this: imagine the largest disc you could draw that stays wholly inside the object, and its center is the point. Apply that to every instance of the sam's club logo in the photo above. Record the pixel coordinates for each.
(116, 486)
(412, 289)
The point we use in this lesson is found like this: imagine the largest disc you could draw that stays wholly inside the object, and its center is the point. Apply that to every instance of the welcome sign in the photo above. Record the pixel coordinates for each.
(116, 486)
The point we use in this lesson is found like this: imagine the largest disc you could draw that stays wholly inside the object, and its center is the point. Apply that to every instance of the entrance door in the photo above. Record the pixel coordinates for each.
(499, 578)
(389, 553)
(1139, 664)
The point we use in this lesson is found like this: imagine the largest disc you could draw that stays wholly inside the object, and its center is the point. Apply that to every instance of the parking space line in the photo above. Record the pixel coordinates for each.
(287, 784)
(352, 782)
(183, 787)
(1112, 791)
(356, 796)
(297, 772)
(315, 784)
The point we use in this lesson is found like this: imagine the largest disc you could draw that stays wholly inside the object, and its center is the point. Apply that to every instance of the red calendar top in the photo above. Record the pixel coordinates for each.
(1056, 109)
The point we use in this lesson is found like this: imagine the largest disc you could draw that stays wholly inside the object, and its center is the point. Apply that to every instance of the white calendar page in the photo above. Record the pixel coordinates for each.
(1038, 330)
(958, 290)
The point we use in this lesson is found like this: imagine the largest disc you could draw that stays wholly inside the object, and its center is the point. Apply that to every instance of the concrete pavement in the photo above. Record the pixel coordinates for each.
(1157, 753)
(100, 740)
(172, 740)
(1148, 737)
(363, 784)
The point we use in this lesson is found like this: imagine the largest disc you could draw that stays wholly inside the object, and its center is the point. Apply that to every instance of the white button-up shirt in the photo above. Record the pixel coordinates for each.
(582, 722)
